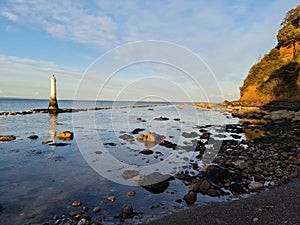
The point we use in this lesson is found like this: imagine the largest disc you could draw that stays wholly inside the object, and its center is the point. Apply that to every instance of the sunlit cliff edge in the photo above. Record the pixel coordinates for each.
(276, 77)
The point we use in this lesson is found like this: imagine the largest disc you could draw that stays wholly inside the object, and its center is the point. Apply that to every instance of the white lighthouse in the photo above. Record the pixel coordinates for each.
(53, 106)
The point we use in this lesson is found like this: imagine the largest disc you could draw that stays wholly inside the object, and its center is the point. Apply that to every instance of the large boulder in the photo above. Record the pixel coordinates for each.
(150, 139)
(66, 135)
(7, 138)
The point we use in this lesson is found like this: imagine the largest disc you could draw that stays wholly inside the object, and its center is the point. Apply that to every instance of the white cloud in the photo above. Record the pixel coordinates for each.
(65, 20)
(45, 66)
(10, 16)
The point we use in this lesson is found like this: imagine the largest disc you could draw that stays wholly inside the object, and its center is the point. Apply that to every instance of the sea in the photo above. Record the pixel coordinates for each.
(108, 156)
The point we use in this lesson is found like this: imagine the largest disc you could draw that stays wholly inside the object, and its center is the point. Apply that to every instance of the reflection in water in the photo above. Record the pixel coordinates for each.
(156, 182)
(53, 126)
(253, 131)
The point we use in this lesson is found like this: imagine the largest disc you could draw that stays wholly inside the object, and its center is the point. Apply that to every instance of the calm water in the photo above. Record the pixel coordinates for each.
(38, 180)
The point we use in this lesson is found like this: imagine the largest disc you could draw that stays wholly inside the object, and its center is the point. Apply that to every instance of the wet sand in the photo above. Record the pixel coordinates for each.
(278, 205)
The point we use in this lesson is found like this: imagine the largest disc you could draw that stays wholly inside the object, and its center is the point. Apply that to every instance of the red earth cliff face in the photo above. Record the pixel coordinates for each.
(251, 93)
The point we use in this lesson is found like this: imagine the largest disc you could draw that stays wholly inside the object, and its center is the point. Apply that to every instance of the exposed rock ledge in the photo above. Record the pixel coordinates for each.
(269, 111)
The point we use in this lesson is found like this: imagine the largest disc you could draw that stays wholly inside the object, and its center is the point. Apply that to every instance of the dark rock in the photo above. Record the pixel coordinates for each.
(190, 135)
(234, 128)
(258, 177)
(195, 187)
(168, 144)
(200, 146)
(190, 198)
(195, 166)
(204, 186)
(140, 119)
(235, 136)
(241, 164)
(181, 176)
(212, 192)
(205, 135)
(33, 137)
(218, 174)
(7, 138)
(127, 137)
(58, 144)
(228, 143)
(251, 170)
(137, 130)
(161, 118)
(110, 144)
(279, 172)
(127, 211)
(220, 136)
(178, 200)
(236, 188)
(156, 182)
(146, 152)
(177, 119)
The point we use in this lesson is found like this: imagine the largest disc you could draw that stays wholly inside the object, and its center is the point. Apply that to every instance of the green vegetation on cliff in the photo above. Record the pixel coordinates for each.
(276, 75)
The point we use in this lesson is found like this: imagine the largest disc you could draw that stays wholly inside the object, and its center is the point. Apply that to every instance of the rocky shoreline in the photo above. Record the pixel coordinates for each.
(250, 165)
(73, 110)
(269, 158)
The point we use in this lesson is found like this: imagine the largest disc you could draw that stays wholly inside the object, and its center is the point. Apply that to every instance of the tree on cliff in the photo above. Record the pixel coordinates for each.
(289, 34)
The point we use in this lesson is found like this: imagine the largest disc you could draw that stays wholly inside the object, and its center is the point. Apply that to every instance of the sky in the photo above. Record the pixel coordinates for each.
(134, 50)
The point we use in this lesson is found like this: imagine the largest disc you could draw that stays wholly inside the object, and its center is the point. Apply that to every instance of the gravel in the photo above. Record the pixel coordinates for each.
(278, 205)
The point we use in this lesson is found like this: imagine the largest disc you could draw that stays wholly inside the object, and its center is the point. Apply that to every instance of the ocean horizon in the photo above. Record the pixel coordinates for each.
(8, 104)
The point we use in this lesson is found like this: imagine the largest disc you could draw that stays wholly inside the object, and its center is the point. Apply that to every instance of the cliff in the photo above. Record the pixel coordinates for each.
(277, 75)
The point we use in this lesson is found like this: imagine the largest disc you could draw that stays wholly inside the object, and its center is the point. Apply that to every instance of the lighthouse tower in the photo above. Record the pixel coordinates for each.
(53, 106)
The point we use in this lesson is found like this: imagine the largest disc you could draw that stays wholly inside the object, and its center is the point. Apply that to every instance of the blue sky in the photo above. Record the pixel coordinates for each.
(66, 38)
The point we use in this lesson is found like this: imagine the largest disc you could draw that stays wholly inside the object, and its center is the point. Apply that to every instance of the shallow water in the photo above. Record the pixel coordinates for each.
(38, 181)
